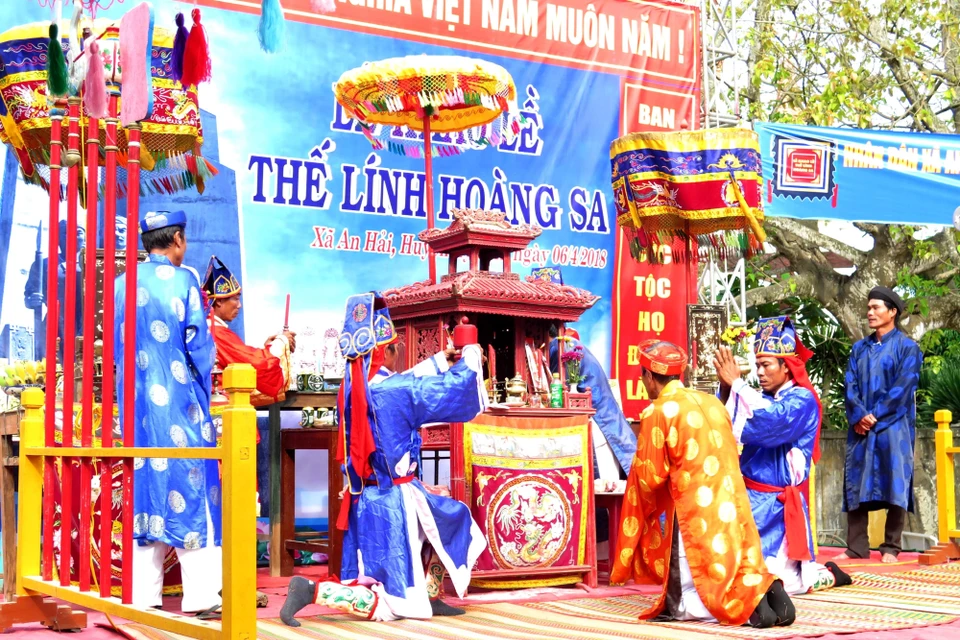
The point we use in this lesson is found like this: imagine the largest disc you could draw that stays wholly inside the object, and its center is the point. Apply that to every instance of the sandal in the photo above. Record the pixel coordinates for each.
(213, 613)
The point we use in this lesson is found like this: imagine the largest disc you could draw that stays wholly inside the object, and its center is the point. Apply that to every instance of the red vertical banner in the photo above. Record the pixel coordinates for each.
(650, 298)
(650, 294)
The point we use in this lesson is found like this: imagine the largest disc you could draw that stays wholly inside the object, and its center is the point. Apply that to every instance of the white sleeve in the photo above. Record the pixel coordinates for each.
(744, 400)
(473, 358)
(278, 346)
(430, 367)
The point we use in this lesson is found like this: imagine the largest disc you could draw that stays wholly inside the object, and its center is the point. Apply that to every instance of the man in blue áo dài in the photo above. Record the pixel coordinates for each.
(400, 538)
(882, 380)
(176, 502)
(615, 444)
(779, 429)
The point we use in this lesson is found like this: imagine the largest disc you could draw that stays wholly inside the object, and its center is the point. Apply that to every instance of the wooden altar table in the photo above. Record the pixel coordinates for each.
(295, 401)
(441, 437)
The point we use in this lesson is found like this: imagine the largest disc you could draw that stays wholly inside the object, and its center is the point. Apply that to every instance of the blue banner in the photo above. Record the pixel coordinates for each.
(859, 174)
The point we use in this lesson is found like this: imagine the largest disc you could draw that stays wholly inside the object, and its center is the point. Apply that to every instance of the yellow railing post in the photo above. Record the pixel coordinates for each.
(812, 507)
(31, 489)
(946, 487)
(239, 505)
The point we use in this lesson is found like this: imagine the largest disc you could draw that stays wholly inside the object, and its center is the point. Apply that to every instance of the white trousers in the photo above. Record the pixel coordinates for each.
(607, 465)
(691, 606)
(201, 570)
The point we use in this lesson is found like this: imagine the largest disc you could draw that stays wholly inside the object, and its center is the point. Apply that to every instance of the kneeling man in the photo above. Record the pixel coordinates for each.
(686, 516)
(400, 538)
(780, 432)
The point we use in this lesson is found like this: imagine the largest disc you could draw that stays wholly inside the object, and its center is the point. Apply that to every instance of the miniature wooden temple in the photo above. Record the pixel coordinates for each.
(509, 310)
(526, 471)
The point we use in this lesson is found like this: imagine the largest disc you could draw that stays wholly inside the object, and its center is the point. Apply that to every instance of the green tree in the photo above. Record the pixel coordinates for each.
(847, 63)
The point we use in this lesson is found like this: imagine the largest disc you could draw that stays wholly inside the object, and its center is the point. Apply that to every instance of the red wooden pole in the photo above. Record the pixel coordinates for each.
(428, 169)
(89, 323)
(69, 335)
(130, 350)
(52, 325)
(109, 273)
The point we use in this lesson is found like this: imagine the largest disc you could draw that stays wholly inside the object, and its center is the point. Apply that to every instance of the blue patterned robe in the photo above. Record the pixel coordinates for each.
(608, 415)
(882, 380)
(175, 355)
(778, 444)
(387, 518)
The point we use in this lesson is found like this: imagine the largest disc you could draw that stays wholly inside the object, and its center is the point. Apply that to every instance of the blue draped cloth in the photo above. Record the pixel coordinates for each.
(608, 415)
(378, 533)
(790, 422)
(175, 356)
(882, 380)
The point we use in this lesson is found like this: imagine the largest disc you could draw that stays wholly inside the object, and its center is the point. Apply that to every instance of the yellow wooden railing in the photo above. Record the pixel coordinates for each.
(946, 483)
(948, 547)
(238, 455)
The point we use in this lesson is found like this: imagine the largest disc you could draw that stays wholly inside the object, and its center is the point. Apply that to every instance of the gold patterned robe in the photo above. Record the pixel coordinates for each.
(687, 470)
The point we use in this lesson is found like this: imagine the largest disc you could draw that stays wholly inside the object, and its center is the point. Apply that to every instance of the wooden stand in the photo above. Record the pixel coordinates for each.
(943, 552)
(50, 613)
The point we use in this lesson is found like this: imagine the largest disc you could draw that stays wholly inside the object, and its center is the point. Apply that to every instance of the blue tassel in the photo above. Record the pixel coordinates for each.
(271, 26)
(179, 45)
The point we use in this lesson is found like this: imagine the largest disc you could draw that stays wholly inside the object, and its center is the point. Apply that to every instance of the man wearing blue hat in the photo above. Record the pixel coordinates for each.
(779, 428)
(272, 362)
(176, 502)
(400, 538)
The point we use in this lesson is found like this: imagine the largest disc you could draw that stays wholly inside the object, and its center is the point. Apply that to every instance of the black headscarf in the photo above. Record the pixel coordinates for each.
(890, 297)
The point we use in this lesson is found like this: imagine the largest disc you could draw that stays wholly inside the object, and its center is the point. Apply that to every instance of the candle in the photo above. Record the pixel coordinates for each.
(286, 315)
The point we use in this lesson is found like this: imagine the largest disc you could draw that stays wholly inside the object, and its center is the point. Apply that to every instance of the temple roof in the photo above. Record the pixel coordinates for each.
(489, 292)
(476, 227)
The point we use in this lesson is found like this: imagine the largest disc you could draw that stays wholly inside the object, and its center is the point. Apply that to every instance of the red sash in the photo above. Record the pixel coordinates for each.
(795, 522)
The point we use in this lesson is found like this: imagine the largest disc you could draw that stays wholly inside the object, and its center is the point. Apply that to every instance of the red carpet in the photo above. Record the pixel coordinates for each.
(276, 589)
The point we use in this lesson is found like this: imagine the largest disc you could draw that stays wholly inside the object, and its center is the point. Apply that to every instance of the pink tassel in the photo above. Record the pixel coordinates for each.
(95, 84)
(323, 6)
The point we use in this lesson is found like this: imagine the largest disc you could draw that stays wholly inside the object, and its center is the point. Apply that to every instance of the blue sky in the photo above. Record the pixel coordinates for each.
(281, 105)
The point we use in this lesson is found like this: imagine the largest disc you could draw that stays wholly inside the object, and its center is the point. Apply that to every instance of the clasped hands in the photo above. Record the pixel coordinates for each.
(866, 423)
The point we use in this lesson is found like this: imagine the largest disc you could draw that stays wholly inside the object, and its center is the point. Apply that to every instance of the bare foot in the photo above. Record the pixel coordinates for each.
(888, 558)
(842, 556)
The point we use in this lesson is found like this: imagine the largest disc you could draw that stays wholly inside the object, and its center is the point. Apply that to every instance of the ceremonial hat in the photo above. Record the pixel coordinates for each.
(366, 324)
(572, 333)
(220, 283)
(775, 337)
(383, 327)
(154, 220)
(889, 296)
(663, 358)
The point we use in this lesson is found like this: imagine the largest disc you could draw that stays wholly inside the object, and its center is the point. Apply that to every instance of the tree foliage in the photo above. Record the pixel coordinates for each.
(849, 63)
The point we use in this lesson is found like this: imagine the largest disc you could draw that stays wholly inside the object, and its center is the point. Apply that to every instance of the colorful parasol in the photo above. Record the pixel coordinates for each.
(172, 134)
(691, 183)
(426, 106)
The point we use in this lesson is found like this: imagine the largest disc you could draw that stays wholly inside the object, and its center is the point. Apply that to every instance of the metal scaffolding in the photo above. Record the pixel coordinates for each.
(724, 62)
(723, 282)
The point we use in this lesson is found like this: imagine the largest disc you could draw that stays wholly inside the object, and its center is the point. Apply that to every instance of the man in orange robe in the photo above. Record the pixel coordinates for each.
(271, 362)
(686, 519)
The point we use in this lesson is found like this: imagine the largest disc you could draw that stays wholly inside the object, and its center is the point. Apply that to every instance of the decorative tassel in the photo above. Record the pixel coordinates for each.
(323, 6)
(95, 84)
(56, 66)
(77, 64)
(196, 55)
(179, 44)
(272, 26)
(147, 161)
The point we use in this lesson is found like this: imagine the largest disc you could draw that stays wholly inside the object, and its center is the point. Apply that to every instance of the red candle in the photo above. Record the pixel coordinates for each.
(286, 315)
